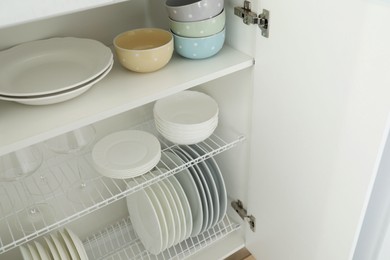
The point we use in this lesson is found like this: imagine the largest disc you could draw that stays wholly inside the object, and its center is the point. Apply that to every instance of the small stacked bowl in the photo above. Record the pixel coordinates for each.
(198, 27)
(144, 49)
(188, 117)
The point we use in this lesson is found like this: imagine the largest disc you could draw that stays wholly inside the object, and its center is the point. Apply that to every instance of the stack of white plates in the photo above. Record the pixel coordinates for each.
(160, 214)
(63, 245)
(181, 206)
(188, 117)
(126, 154)
(53, 70)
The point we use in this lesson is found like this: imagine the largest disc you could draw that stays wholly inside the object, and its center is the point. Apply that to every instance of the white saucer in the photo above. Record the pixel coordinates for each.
(126, 154)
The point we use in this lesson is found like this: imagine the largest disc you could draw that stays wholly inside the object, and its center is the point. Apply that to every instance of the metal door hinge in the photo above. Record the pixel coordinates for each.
(242, 212)
(249, 17)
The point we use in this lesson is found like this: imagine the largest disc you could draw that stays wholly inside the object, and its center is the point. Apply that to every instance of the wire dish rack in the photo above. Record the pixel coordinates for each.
(120, 242)
(50, 201)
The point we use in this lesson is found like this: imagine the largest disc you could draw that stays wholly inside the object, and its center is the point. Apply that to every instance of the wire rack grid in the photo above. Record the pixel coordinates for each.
(48, 192)
(120, 242)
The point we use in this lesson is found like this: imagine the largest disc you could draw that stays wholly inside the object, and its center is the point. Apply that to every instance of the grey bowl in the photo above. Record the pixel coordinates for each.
(193, 10)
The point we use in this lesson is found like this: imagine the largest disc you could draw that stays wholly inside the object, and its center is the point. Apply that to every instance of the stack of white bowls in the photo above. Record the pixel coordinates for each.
(188, 117)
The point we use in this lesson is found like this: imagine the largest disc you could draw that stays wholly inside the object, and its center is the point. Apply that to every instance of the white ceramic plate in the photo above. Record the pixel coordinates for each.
(182, 217)
(44, 255)
(190, 188)
(52, 65)
(78, 244)
(210, 184)
(166, 206)
(185, 206)
(58, 96)
(218, 177)
(33, 251)
(174, 203)
(25, 253)
(67, 243)
(52, 248)
(202, 188)
(62, 251)
(126, 154)
(148, 219)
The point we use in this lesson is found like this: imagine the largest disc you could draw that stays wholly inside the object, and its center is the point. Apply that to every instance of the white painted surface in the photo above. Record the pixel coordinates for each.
(321, 103)
(373, 239)
(17, 12)
(118, 92)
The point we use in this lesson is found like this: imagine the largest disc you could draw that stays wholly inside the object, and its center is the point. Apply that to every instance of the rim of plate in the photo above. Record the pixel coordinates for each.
(96, 53)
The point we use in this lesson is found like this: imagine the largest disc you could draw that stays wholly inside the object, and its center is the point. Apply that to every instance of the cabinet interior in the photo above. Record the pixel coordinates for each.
(231, 90)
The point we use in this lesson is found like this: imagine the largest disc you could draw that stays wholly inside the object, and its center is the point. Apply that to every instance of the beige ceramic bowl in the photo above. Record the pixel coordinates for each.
(144, 50)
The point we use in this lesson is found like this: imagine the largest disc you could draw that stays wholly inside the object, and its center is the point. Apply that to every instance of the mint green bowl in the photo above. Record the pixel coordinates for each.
(201, 28)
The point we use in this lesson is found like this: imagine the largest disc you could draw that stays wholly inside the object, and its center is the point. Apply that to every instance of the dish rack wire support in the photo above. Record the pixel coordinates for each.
(119, 241)
(61, 172)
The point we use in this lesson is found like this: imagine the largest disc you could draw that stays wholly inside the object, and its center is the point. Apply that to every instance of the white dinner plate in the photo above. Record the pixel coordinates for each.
(52, 248)
(126, 154)
(182, 217)
(161, 193)
(58, 97)
(210, 184)
(78, 244)
(25, 253)
(44, 255)
(185, 206)
(148, 219)
(190, 188)
(174, 203)
(33, 251)
(67, 243)
(218, 177)
(202, 188)
(52, 65)
(62, 251)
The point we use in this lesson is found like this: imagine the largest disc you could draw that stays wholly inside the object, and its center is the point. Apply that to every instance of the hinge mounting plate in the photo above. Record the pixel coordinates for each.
(249, 17)
(242, 212)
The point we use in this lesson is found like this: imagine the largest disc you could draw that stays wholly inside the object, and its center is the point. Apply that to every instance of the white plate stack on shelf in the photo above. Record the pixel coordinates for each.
(53, 70)
(188, 117)
(63, 245)
(180, 206)
(126, 154)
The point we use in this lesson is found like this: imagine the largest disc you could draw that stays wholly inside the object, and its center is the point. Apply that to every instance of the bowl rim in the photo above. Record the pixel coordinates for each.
(142, 29)
(182, 6)
(199, 38)
(198, 21)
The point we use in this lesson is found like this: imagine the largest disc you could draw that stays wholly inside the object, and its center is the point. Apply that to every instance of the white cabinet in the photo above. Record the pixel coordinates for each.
(302, 127)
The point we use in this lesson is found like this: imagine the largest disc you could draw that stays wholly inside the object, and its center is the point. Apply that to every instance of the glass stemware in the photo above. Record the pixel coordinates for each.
(17, 166)
(76, 143)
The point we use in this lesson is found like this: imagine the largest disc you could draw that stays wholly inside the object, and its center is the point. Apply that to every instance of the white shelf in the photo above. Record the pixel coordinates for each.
(52, 183)
(120, 91)
(120, 242)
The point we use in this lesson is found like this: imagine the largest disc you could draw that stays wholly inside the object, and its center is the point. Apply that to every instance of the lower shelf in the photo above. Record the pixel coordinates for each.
(119, 241)
(49, 198)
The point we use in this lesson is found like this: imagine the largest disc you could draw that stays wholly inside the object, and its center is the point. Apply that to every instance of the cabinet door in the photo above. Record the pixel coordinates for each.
(321, 103)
